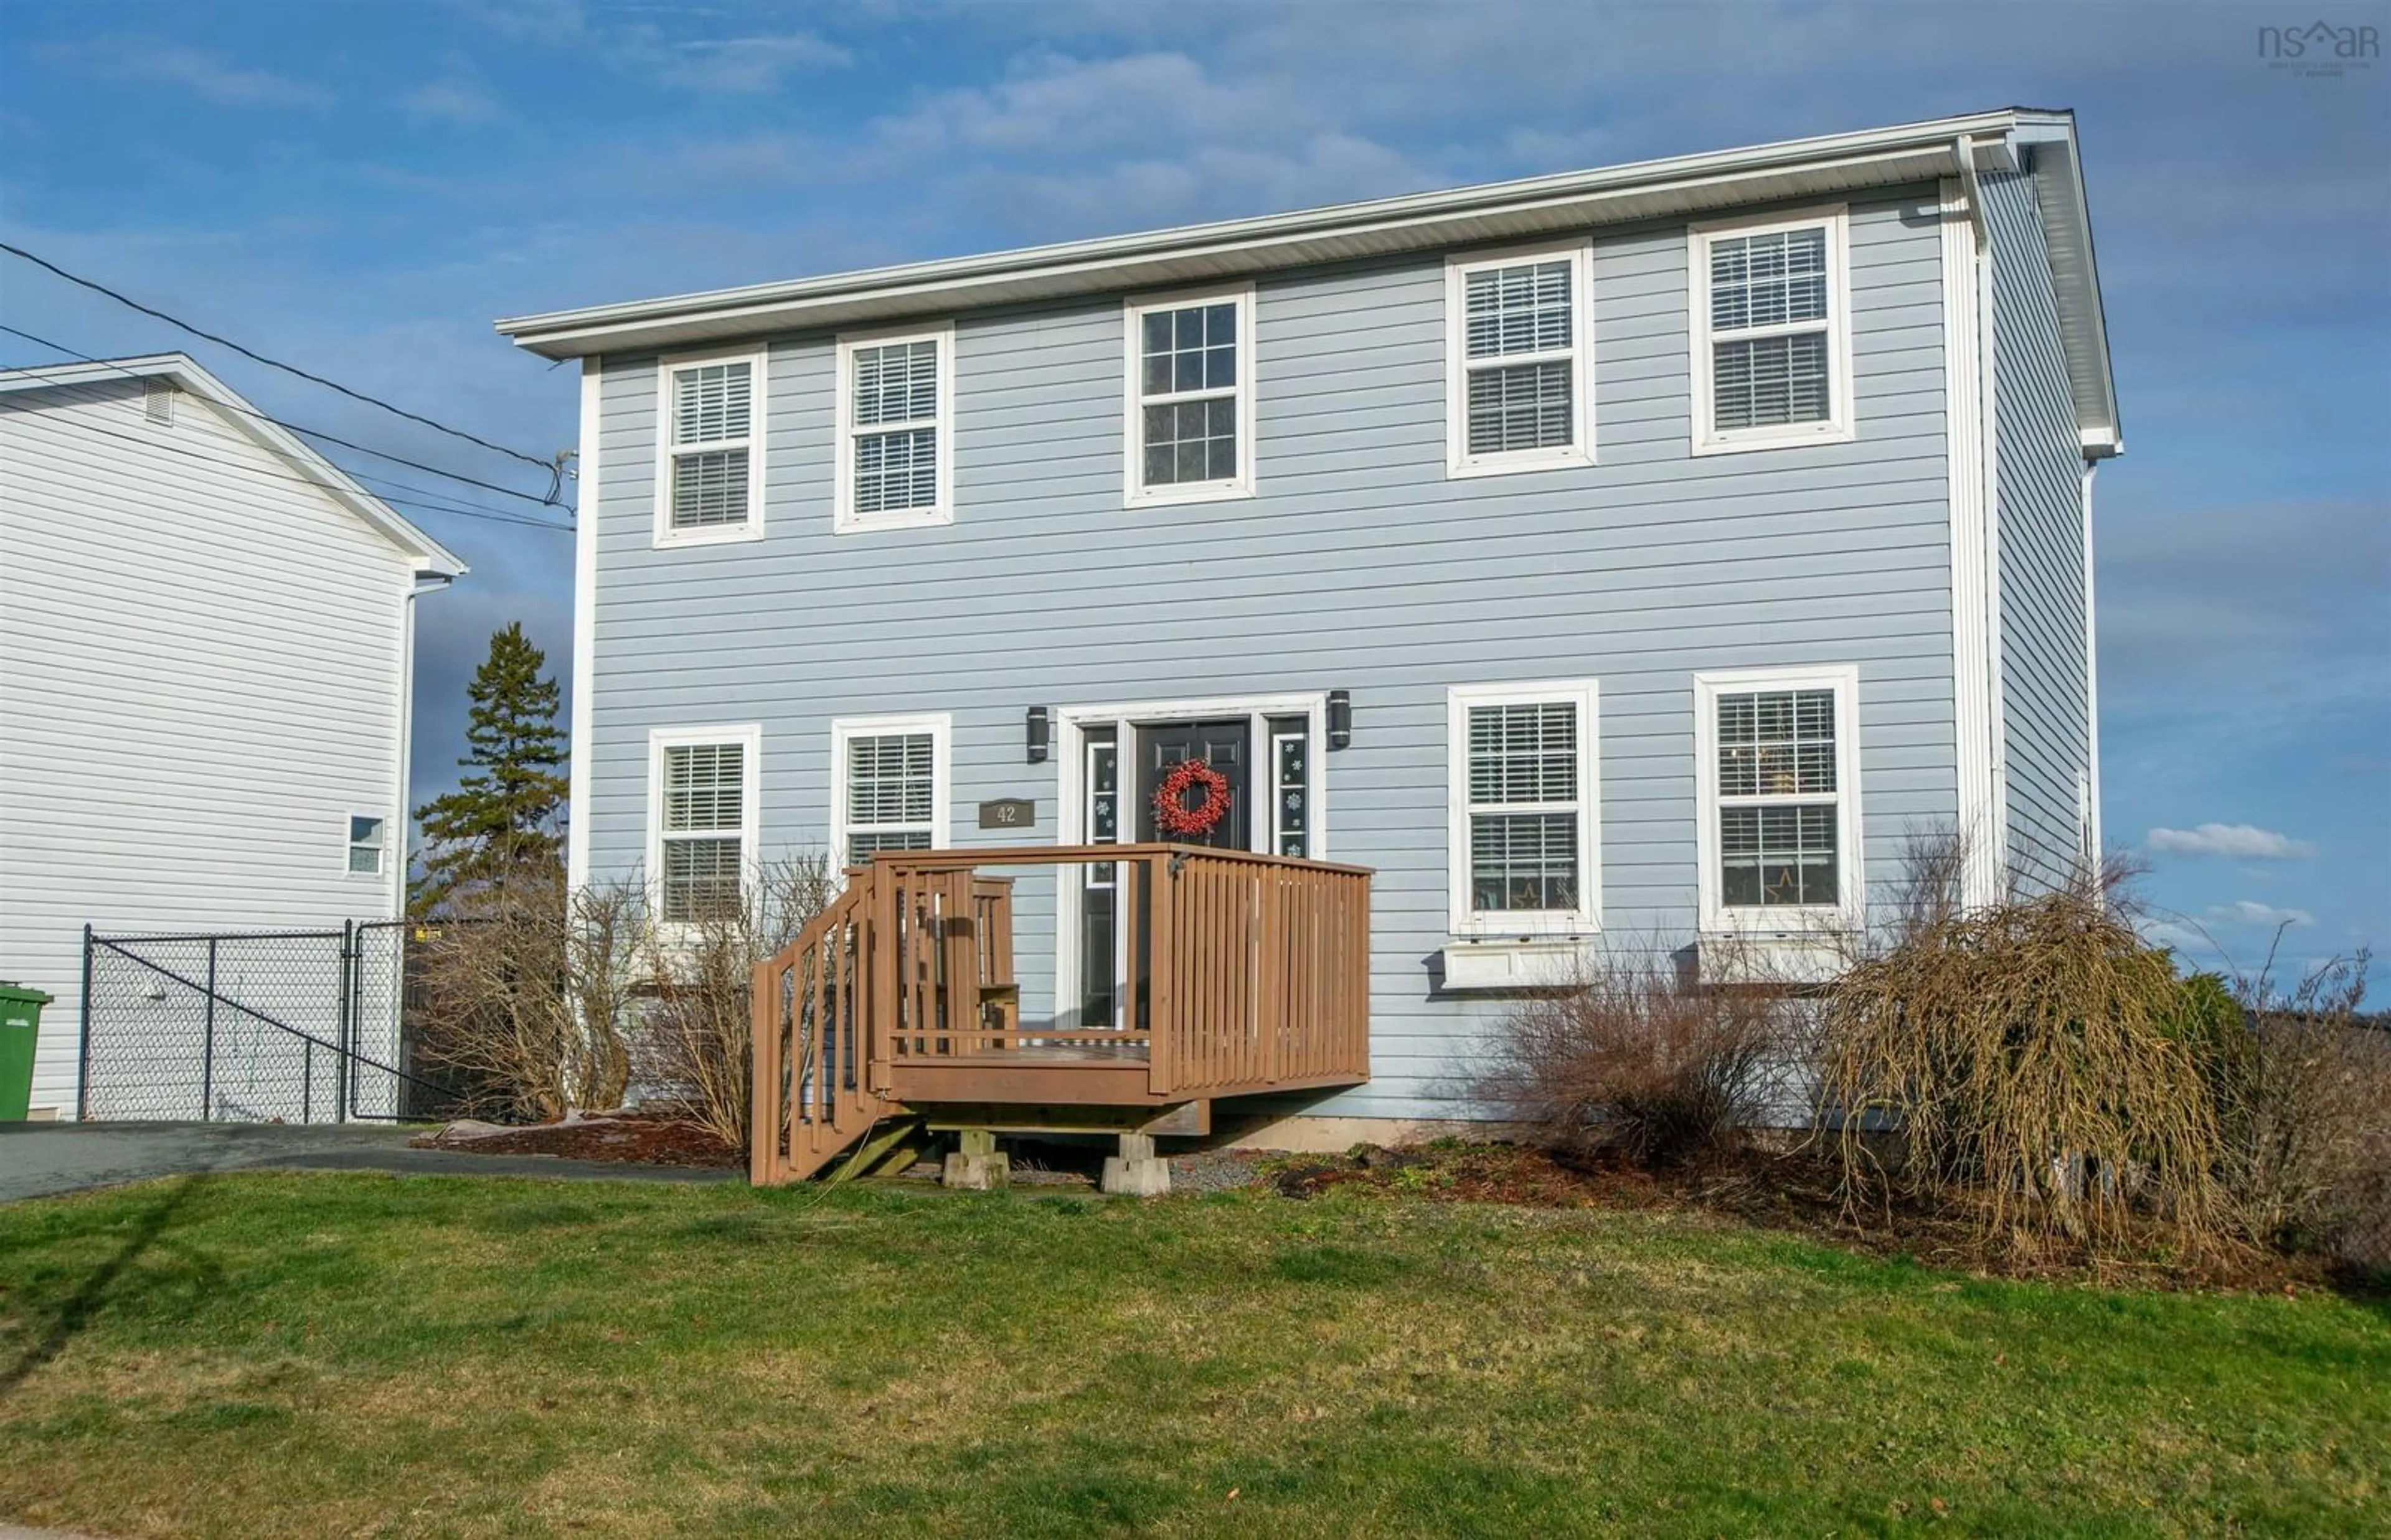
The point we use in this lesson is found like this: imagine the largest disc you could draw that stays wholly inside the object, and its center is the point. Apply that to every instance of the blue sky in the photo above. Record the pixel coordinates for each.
(361, 187)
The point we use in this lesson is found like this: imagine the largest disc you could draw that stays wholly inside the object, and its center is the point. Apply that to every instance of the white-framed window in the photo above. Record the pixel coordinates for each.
(1525, 838)
(1771, 326)
(1777, 795)
(710, 448)
(890, 779)
(1519, 342)
(1190, 398)
(367, 844)
(895, 430)
(703, 801)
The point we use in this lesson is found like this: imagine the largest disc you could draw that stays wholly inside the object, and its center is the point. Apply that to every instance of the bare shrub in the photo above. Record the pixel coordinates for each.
(2027, 1058)
(694, 1038)
(2304, 1105)
(522, 991)
(1630, 1057)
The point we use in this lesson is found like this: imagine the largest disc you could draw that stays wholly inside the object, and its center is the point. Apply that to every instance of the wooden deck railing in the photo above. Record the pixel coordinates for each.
(1241, 973)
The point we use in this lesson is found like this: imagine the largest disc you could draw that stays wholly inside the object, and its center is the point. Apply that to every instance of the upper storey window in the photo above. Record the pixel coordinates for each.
(1771, 332)
(1517, 342)
(710, 475)
(1190, 398)
(895, 430)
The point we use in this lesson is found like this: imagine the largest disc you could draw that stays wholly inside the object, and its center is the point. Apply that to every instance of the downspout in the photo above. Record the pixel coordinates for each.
(2091, 672)
(1972, 183)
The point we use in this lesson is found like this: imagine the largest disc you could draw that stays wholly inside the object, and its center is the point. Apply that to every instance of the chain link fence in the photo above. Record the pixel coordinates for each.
(288, 1026)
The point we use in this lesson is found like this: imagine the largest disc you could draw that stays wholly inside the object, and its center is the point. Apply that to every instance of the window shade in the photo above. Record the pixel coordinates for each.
(704, 788)
(710, 402)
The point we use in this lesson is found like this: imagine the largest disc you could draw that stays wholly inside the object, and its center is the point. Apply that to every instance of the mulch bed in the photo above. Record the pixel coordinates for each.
(643, 1139)
(1795, 1192)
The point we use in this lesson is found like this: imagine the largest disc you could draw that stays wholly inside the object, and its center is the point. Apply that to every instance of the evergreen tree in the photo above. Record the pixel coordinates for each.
(501, 823)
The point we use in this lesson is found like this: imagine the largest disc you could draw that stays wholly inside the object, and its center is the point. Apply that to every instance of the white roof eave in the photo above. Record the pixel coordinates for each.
(1682, 185)
(433, 559)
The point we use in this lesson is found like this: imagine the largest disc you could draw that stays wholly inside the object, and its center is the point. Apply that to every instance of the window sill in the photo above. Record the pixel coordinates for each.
(912, 519)
(1199, 494)
(1751, 955)
(1514, 965)
(728, 534)
(1455, 470)
(1741, 444)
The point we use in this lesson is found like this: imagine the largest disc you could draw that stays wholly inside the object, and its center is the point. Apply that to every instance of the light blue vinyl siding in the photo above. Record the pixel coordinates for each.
(2038, 461)
(1359, 564)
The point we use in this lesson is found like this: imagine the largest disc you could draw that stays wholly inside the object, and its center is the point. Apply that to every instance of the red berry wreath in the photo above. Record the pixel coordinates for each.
(1171, 814)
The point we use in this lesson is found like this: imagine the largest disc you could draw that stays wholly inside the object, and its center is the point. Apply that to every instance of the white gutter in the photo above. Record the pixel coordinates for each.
(1644, 189)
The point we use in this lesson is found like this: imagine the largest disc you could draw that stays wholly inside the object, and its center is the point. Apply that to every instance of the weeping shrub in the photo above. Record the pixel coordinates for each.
(2034, 1060)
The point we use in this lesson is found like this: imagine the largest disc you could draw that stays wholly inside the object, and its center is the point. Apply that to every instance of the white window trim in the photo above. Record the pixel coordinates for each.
(380, 847)
(941, 726)
(1459, 461)
(758, 361)
(1522, 924)
(750, 738)
(1787, 919)
(1135, 492)
(843, 519)
(1840, 427)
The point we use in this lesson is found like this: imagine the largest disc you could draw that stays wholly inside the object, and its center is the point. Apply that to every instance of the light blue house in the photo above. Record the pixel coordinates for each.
(1634, 557)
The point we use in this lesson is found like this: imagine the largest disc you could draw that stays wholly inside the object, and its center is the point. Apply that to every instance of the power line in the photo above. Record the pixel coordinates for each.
(458, 510)
(549, 501)
(272, 363)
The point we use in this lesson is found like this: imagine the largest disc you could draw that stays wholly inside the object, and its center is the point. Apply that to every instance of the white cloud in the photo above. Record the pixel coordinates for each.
(205, 74)
(455, 98)
(2246, 911)
(747, 64)
(2241, 841)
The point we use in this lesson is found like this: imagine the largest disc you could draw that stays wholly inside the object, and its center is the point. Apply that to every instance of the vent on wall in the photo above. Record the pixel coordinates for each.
(158, 400)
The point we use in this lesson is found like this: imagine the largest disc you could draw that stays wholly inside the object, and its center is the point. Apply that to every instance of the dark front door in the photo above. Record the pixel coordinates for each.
(1227, 747)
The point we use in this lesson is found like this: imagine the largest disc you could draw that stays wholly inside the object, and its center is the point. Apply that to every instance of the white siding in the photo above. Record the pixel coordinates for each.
(200, 681)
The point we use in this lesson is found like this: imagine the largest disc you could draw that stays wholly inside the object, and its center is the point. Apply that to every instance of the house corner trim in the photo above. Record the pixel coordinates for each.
(1966, 431)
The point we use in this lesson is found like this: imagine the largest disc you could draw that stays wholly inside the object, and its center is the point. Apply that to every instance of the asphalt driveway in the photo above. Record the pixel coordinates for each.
(39, 1159)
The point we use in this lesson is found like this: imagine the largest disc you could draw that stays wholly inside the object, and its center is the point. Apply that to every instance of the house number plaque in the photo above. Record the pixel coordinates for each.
(1008, 813)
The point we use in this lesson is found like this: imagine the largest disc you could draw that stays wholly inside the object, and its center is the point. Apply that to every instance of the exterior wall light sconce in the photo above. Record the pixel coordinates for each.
(1040, 735)
(1341, 718)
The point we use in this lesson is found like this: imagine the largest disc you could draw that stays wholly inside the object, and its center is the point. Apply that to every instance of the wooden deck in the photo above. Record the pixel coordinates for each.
(1243, 974)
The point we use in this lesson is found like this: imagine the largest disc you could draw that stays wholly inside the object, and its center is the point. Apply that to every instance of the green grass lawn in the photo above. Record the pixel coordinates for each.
(356, 1354)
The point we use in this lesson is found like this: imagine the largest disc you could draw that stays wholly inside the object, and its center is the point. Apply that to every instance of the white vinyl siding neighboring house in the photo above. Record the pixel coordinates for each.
(203, 678)
(1540, 480)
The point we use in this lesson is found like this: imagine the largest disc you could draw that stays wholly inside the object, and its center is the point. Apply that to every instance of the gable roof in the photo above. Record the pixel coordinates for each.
(1680, 186)
(431, 559)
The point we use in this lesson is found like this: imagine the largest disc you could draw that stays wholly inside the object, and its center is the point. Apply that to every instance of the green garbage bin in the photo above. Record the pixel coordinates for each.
(21, 1025)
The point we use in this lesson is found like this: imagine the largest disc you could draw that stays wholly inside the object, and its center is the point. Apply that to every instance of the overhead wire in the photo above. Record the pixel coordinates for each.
(552, 500)
(251, 353)
(424, 503)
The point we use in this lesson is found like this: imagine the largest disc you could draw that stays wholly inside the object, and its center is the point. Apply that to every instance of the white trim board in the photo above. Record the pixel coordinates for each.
(1841, 423)
(1135, 494)
(1524, 925)
(750, 739)
(1458, 460)
(759, 359)
(1967, 430)
(940, 726)
(588, 498)
(845, 520)
(1714, 919)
